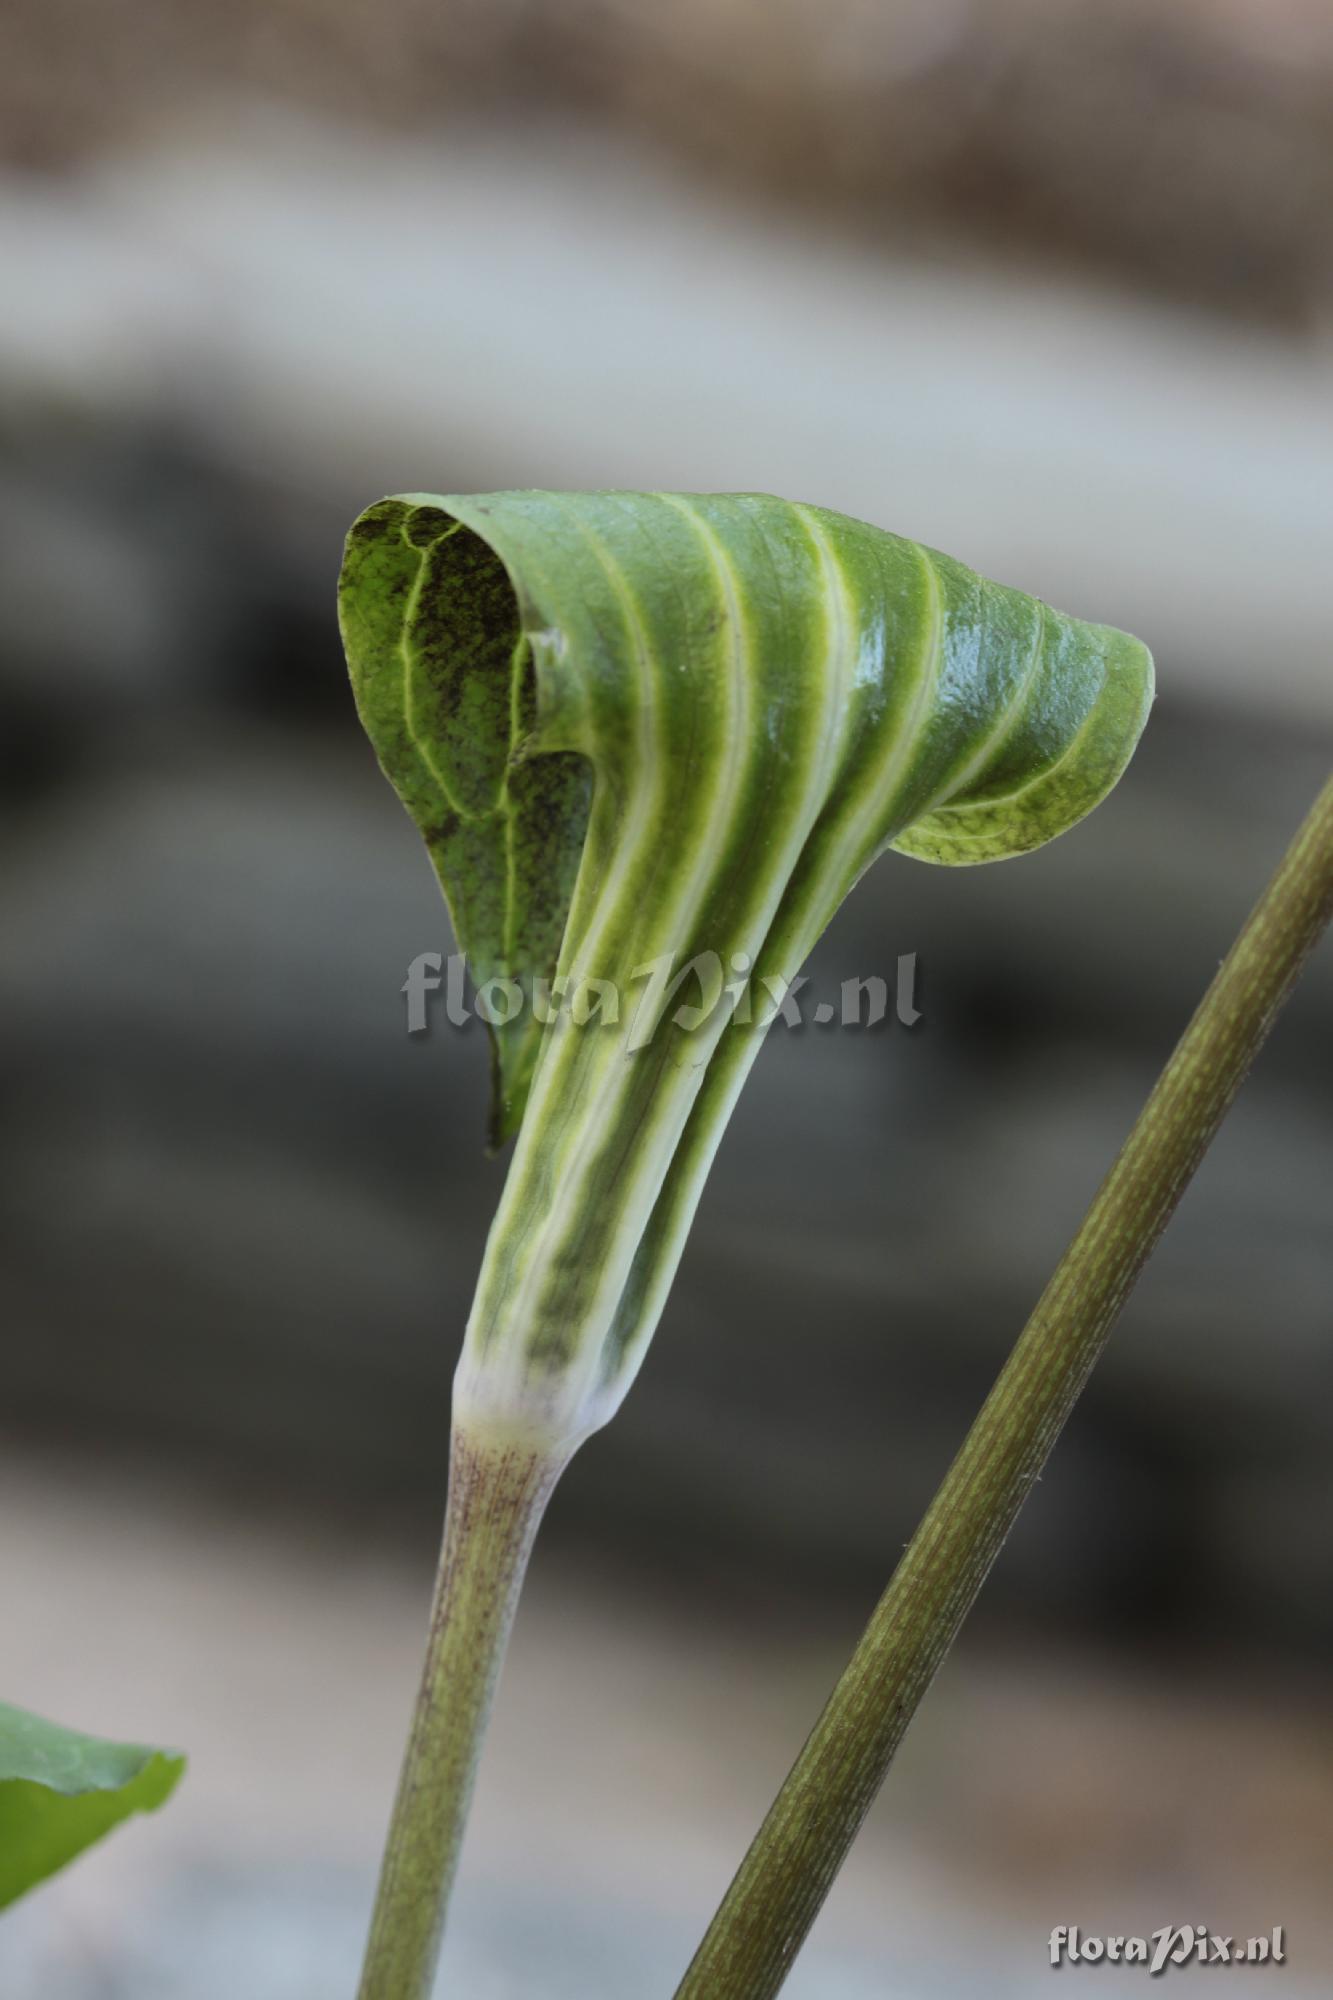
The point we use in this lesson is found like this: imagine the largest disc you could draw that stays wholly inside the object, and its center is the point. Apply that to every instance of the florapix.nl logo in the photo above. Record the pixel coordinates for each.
(1167, 1949)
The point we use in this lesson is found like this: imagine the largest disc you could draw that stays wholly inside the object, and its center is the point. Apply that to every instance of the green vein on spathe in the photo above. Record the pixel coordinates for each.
(411, 663)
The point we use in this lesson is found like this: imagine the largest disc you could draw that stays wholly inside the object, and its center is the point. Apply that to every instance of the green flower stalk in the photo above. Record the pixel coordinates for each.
(650, 738)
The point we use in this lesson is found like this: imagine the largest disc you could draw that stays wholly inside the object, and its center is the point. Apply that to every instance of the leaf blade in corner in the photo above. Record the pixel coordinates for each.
(60, 1791)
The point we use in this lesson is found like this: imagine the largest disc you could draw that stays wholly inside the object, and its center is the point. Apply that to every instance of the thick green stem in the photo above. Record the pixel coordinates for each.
(497, 1494)
(782, 1883)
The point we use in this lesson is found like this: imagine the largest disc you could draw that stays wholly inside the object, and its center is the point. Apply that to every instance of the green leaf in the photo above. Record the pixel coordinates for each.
(650, 728)
(60, 1791)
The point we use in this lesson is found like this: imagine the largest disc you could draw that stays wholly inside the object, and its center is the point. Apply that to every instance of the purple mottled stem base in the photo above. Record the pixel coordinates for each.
(497, 1494)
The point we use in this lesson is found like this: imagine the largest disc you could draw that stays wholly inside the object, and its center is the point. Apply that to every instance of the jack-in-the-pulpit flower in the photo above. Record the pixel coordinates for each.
(640, 732)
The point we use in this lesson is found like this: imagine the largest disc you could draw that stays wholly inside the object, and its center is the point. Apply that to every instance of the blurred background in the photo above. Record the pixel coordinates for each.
(1046, 284)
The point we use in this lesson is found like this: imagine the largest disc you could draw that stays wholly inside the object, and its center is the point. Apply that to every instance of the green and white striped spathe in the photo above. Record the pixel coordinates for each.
(636, 728)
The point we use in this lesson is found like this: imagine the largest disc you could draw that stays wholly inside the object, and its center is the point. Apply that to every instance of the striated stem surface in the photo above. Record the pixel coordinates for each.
(497, 1494)
(782, 1882)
